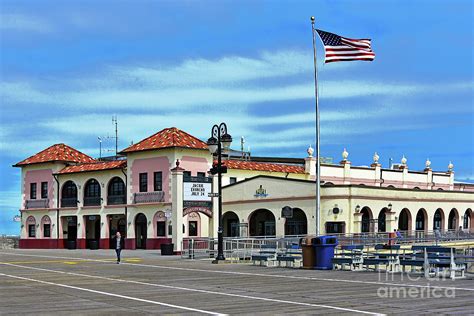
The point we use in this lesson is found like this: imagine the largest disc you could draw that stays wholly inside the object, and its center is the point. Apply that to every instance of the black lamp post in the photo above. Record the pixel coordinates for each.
(219, 139)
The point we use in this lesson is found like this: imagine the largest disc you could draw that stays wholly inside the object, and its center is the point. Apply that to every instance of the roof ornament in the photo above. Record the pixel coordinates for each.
(428, 163)
(450, 167)
(376, 158)
(345, 154)
(404, 160)
(310, 151)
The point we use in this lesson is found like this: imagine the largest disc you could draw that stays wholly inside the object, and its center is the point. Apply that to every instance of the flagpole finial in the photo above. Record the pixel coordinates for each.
(312, 19)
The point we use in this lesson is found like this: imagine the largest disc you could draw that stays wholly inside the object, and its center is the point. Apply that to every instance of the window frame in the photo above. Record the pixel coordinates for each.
(49, 230)
(157, 181)
(31, 230)
(44, 190)
(193, 232)
(158, 230)
(143, 182)
(33, 189)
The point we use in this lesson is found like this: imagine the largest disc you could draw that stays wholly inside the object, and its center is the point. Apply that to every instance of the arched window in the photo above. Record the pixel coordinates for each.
(438, 220)
(298, 224)
(92, 193)
(453, 219)
(31, 226)
(116, 192)
(404, 220)
(420, 220)
(46, 226)
(467, 219)
(69, 195)
(262, 223)
(382, 221)
(230, 222)
(366, 225)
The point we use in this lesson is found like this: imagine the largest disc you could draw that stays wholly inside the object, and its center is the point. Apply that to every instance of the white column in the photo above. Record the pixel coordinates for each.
(177, 206)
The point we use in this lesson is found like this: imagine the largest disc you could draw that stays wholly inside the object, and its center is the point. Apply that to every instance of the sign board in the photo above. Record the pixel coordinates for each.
(213, 195)
(195, 191)
(287, 212)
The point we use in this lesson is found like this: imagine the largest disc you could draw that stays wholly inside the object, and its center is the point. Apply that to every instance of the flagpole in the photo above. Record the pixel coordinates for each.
(318, 162)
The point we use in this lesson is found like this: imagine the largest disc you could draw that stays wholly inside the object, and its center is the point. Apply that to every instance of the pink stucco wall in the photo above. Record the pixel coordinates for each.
(194, 164)
(38, 176)
(151, 165)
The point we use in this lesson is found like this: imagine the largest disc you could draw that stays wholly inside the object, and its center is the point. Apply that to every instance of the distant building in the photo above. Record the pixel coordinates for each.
(157, 192)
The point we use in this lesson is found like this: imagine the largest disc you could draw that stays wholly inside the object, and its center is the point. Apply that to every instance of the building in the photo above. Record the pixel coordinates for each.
(156, 192)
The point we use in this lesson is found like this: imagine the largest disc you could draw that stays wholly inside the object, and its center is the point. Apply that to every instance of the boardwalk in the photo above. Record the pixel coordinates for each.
(90, 283)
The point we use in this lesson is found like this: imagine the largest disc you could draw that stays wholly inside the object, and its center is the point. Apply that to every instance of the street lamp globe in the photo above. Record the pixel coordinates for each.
(226, 140)
(212, 144)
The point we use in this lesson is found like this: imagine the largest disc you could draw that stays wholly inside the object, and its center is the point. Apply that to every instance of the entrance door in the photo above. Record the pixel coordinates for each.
(72, 234)
(140, 231)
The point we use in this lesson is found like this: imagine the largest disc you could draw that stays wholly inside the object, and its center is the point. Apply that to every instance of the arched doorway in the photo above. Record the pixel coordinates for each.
(297, 225)
(420, 221)
(230, 221)
(468, 220)
(438, 220)
(453, 219)
(140, 231)
(262, 223)
(366, 225)
(404, 220)
(382, 225)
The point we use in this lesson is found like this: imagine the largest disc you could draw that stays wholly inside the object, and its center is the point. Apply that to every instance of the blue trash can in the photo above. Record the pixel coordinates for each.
(324, 251)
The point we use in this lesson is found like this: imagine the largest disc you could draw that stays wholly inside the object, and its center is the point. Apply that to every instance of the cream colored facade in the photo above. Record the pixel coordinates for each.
(241, 199)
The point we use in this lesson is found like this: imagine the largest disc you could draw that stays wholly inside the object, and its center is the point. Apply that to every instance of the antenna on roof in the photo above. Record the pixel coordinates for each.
(100, 147)
(114, 121)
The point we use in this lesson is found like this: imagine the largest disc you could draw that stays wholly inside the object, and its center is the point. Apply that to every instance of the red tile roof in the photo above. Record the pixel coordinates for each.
(166, 138)
(57, 152)
(95, 166)
(262, 166)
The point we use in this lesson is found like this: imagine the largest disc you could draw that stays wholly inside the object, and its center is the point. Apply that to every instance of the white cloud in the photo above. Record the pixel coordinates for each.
(24, 23)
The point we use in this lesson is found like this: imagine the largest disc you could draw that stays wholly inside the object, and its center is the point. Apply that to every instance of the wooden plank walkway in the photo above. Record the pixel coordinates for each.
(91, 283)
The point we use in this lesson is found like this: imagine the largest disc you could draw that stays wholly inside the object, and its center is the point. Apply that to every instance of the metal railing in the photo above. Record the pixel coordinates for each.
(195, 248)
(116, 199)
(92, 201)
(148, 197)
(69, 202)
(39, 203)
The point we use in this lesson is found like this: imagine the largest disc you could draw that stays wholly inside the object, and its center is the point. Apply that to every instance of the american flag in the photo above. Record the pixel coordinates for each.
(338, 48)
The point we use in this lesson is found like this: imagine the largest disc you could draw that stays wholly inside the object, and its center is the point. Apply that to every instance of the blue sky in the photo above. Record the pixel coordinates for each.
(67, 67)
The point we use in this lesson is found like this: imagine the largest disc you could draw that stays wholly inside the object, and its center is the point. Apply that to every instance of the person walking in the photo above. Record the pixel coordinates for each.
(399, 235)
(119, 244)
